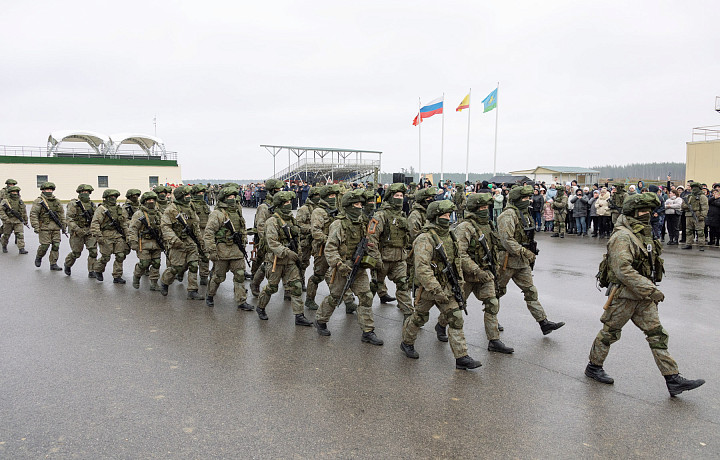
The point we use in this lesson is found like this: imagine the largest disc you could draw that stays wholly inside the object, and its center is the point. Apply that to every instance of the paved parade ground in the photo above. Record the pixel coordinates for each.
(97, 370)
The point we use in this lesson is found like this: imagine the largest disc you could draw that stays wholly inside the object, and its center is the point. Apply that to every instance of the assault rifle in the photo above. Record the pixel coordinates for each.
(692, 211)
(14, 213)
(653, 270)
(293, 242)
(116, 225)
(85, 212)
(489, 259)
(130, 210)
(531, 245)
(356, 260)
(189, 232)
(237, 239)
(53, 215)
(154, 234)
(452, 275)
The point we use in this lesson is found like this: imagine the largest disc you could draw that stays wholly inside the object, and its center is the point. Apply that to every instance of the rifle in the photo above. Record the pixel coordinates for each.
(154, 234)
(356, 262)
(293, 242)
(490, 260)
(692, 211)
(86, 213)
(452, 275)
(115, 223)
(531, 244)
(15, 214)
(653, 270)
(130, 210)
(53, 215)
(237, 239)
(189, 232)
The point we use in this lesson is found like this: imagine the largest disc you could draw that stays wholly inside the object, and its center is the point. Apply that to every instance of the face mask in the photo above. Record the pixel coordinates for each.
(485, 213)
(645, 218)
(522, 204)
(150, 205)
(230, 201)
(332, 202)
(397, 203)
(197, 198)
(84, 197)
(443, 223)
(47, 194)
(369, 207)
(112, 200)
(14, 195)
(186, 199)
(315, 198)
(133, 199)
(286, 208)
(353, 213)
(162, 196)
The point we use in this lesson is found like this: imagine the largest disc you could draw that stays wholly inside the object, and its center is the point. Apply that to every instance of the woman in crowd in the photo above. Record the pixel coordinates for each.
(549, 215)
(673, 206)
(498, 199)
(593, 213)
(602, 208)
(713, 217)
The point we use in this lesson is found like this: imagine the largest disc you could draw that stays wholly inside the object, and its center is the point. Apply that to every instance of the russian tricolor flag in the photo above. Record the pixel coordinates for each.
(433, 108)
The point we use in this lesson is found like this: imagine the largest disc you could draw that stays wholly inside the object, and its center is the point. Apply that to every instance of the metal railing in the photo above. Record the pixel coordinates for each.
(29, 151)
(321, 165)
(706, 133)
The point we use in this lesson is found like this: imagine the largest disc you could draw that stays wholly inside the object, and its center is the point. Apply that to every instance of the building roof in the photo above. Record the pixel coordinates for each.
(570, 169)
(95, 140)
(145, 141)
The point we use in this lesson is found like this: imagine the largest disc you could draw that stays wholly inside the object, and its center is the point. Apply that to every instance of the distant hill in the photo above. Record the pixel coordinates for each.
(646, 171)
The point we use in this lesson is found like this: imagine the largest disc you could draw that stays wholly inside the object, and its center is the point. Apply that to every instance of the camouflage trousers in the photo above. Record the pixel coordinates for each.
(320, 270)
(559, 224)
(77, 243)
(8, 229)
(360, 287)
(644, 313)
(524, 280)
(397, 273)
(484, 292)
(179, 261)
(219, 271)
(289, 274)
(49, 239)
(691, 228)
(452, 317)
(258, 268)
(148, 258)
(305, 254)
(109, 247)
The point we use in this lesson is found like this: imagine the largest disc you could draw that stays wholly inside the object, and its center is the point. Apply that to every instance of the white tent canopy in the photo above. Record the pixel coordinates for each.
(95, 140)
(145, 141)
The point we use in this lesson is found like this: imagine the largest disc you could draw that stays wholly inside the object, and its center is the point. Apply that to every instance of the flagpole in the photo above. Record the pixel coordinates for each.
(467, 156)
(442, 141)
(497, 109)
(419, 143)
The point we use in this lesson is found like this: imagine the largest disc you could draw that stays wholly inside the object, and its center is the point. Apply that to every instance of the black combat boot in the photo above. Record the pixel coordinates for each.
(136, 282)
(180, 277)
(548, 326)
(4, 246)
(163, 288)
(676, 384)
(246, 307)
(55, 268)
(321, 328)
(300, 320)
(498, 346)
(203, 280)
(118, 280)
(350, 308)
(99, 276)
(261, 313)
(387, 298)
(209, 301)
(67, 269)
(554, 235)
(370, 337)
(687, 246)
(500, 328)
(23, 251)
(91, 275)
(193, 295)
(466, 363)
(562, 235)
(311, 305)
(441, 334)
(409, 350)
(248, 276)
(598, 373)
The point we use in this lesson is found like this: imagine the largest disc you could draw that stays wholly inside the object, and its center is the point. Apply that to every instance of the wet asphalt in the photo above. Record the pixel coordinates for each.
(97, 370)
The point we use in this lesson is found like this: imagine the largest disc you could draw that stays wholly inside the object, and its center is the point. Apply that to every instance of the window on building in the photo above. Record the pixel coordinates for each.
(154, 181)
(41, 179)
(102, 181)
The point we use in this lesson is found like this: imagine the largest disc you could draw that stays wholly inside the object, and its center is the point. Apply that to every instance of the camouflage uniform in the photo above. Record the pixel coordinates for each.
(202, 210)
(4, 191)
(560, 208)
(48, 230)
(699, 203)
(416, 222)
(459, 199)
(132, 202)
(10, 223)
(222, 249)
(616, 201)
(78, 212)
(145, 218)
(303, 217)
(110, 240)
(162, 192)
(261, 215)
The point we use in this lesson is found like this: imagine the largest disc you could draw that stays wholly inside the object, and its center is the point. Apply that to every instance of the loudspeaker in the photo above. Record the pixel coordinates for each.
(398, 177)
(408, 179)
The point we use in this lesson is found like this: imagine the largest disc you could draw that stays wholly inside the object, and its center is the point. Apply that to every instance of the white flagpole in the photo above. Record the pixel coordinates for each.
(419, 143)
(442, 141)
(497, 109)
(467, 156)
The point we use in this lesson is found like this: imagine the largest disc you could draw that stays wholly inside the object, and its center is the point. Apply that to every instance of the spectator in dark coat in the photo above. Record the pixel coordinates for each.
(657, 218)
(580, 212)
(594, 219)
(713, 217)
(537, 207)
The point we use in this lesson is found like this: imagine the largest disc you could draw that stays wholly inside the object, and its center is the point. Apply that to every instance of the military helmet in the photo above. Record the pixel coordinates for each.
(197, 188)
(518, 192)
(696, 185)
(393, 189)
(313, 191)
(13, 188)
(281, 197)
(110, 192)
(413, 184)
(226, 192)
(84, 188)
(647, 200)
(369, 195)
(45, 185)
(272, 184)
(425, 193)
(11, 182)
(620, 187)
(181, 191)
(148, 196)
(438, 208)
(476, 200)
(131, 192)
(354, 196)
(327, 190)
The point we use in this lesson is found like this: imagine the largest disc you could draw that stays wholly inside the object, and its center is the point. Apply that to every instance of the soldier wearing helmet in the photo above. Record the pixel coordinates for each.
(416, 221)
(47, 229)
(698, 202)
(304, 214)
(202, 209)
(513, 226)
(80, 212)
(10, 206)
(145, 223)
(132, 202)
(110, 226)
(631, 270)
(560, 209)
(4, 191)
(261, 215)
(163, 194)
(434, 287)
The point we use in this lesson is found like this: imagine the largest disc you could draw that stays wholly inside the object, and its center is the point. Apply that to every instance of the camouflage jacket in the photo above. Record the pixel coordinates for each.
(304, 215)
(416, 221)
(130, 208)
(173, 232)
(276, 239)
(388, 235)
(699, 204)
(320, 227)
(471, 251)
(202, 209)
(39, 217)
(138, 235)
(218, 238)
(560, 206)
(77, 224)
(16, 205)
(101, 225)
(512, 237)
(428, 265)
(342, 239)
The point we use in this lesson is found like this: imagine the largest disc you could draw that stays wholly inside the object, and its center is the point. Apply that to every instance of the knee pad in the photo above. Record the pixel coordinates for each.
(271, 288)
(120, 256)
(454, 318)
(492, 306)
(55, 246)
(193, 266)
(531, 294)
(155, 263)
(76, 254)
(403, 284)
(365, 299)
(143, 264)
(239, 277)
(316, 279)
(609, 336)
(43, 247)
(420, 318)
(92, 252)
(658, 338)
(295, 288)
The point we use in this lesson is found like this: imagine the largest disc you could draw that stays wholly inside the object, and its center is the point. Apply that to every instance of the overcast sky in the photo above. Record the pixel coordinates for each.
(581, 83)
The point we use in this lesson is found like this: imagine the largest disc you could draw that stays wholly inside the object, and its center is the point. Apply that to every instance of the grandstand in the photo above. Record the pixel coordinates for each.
(318, 164)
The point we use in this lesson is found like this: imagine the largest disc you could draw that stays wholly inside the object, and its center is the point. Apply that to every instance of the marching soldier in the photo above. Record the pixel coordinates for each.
(109, 227)
(132, 202)
(695, 220)
(162, 192)
(281, 258)
(459, 199)
(630, 270)
(512, 225)
(560, 208)
(178, 223)
(435, 288)
(303, 220)
(44, 208)
(225, 225)
(416, 222)
(80, 213)
(5, 190)
(202, 210)
(143, 235)
(261, 215)
(344, 236)
(12, 206)
(616, 201)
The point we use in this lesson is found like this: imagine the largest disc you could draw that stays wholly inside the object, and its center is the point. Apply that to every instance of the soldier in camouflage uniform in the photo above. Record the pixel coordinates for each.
(699, 204)
(222, 249)
(616, 201)
(343, 237)
(281, 262)
(183, 251)
(560, 208)
(261, 215)
(202, 210)
(517, 260)
(110, 240)
(434, 287)
(132, 202)
(303, 220)
(388, 240)
(163, 199)
(79, 216)
(47, 230)
(10, 223)
(6, 190)
(630, 270)
(416, 222)
(145, 219)
(459, 199)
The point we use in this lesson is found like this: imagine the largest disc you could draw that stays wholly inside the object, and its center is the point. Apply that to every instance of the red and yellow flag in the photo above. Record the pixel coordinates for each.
(465, 104)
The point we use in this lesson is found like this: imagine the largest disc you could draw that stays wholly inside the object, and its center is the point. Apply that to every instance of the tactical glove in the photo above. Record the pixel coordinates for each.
(178, 244)
(484, 276)
(344, 269)
(292, 256)
(441, 297)
(529, 255)
(657, 296)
